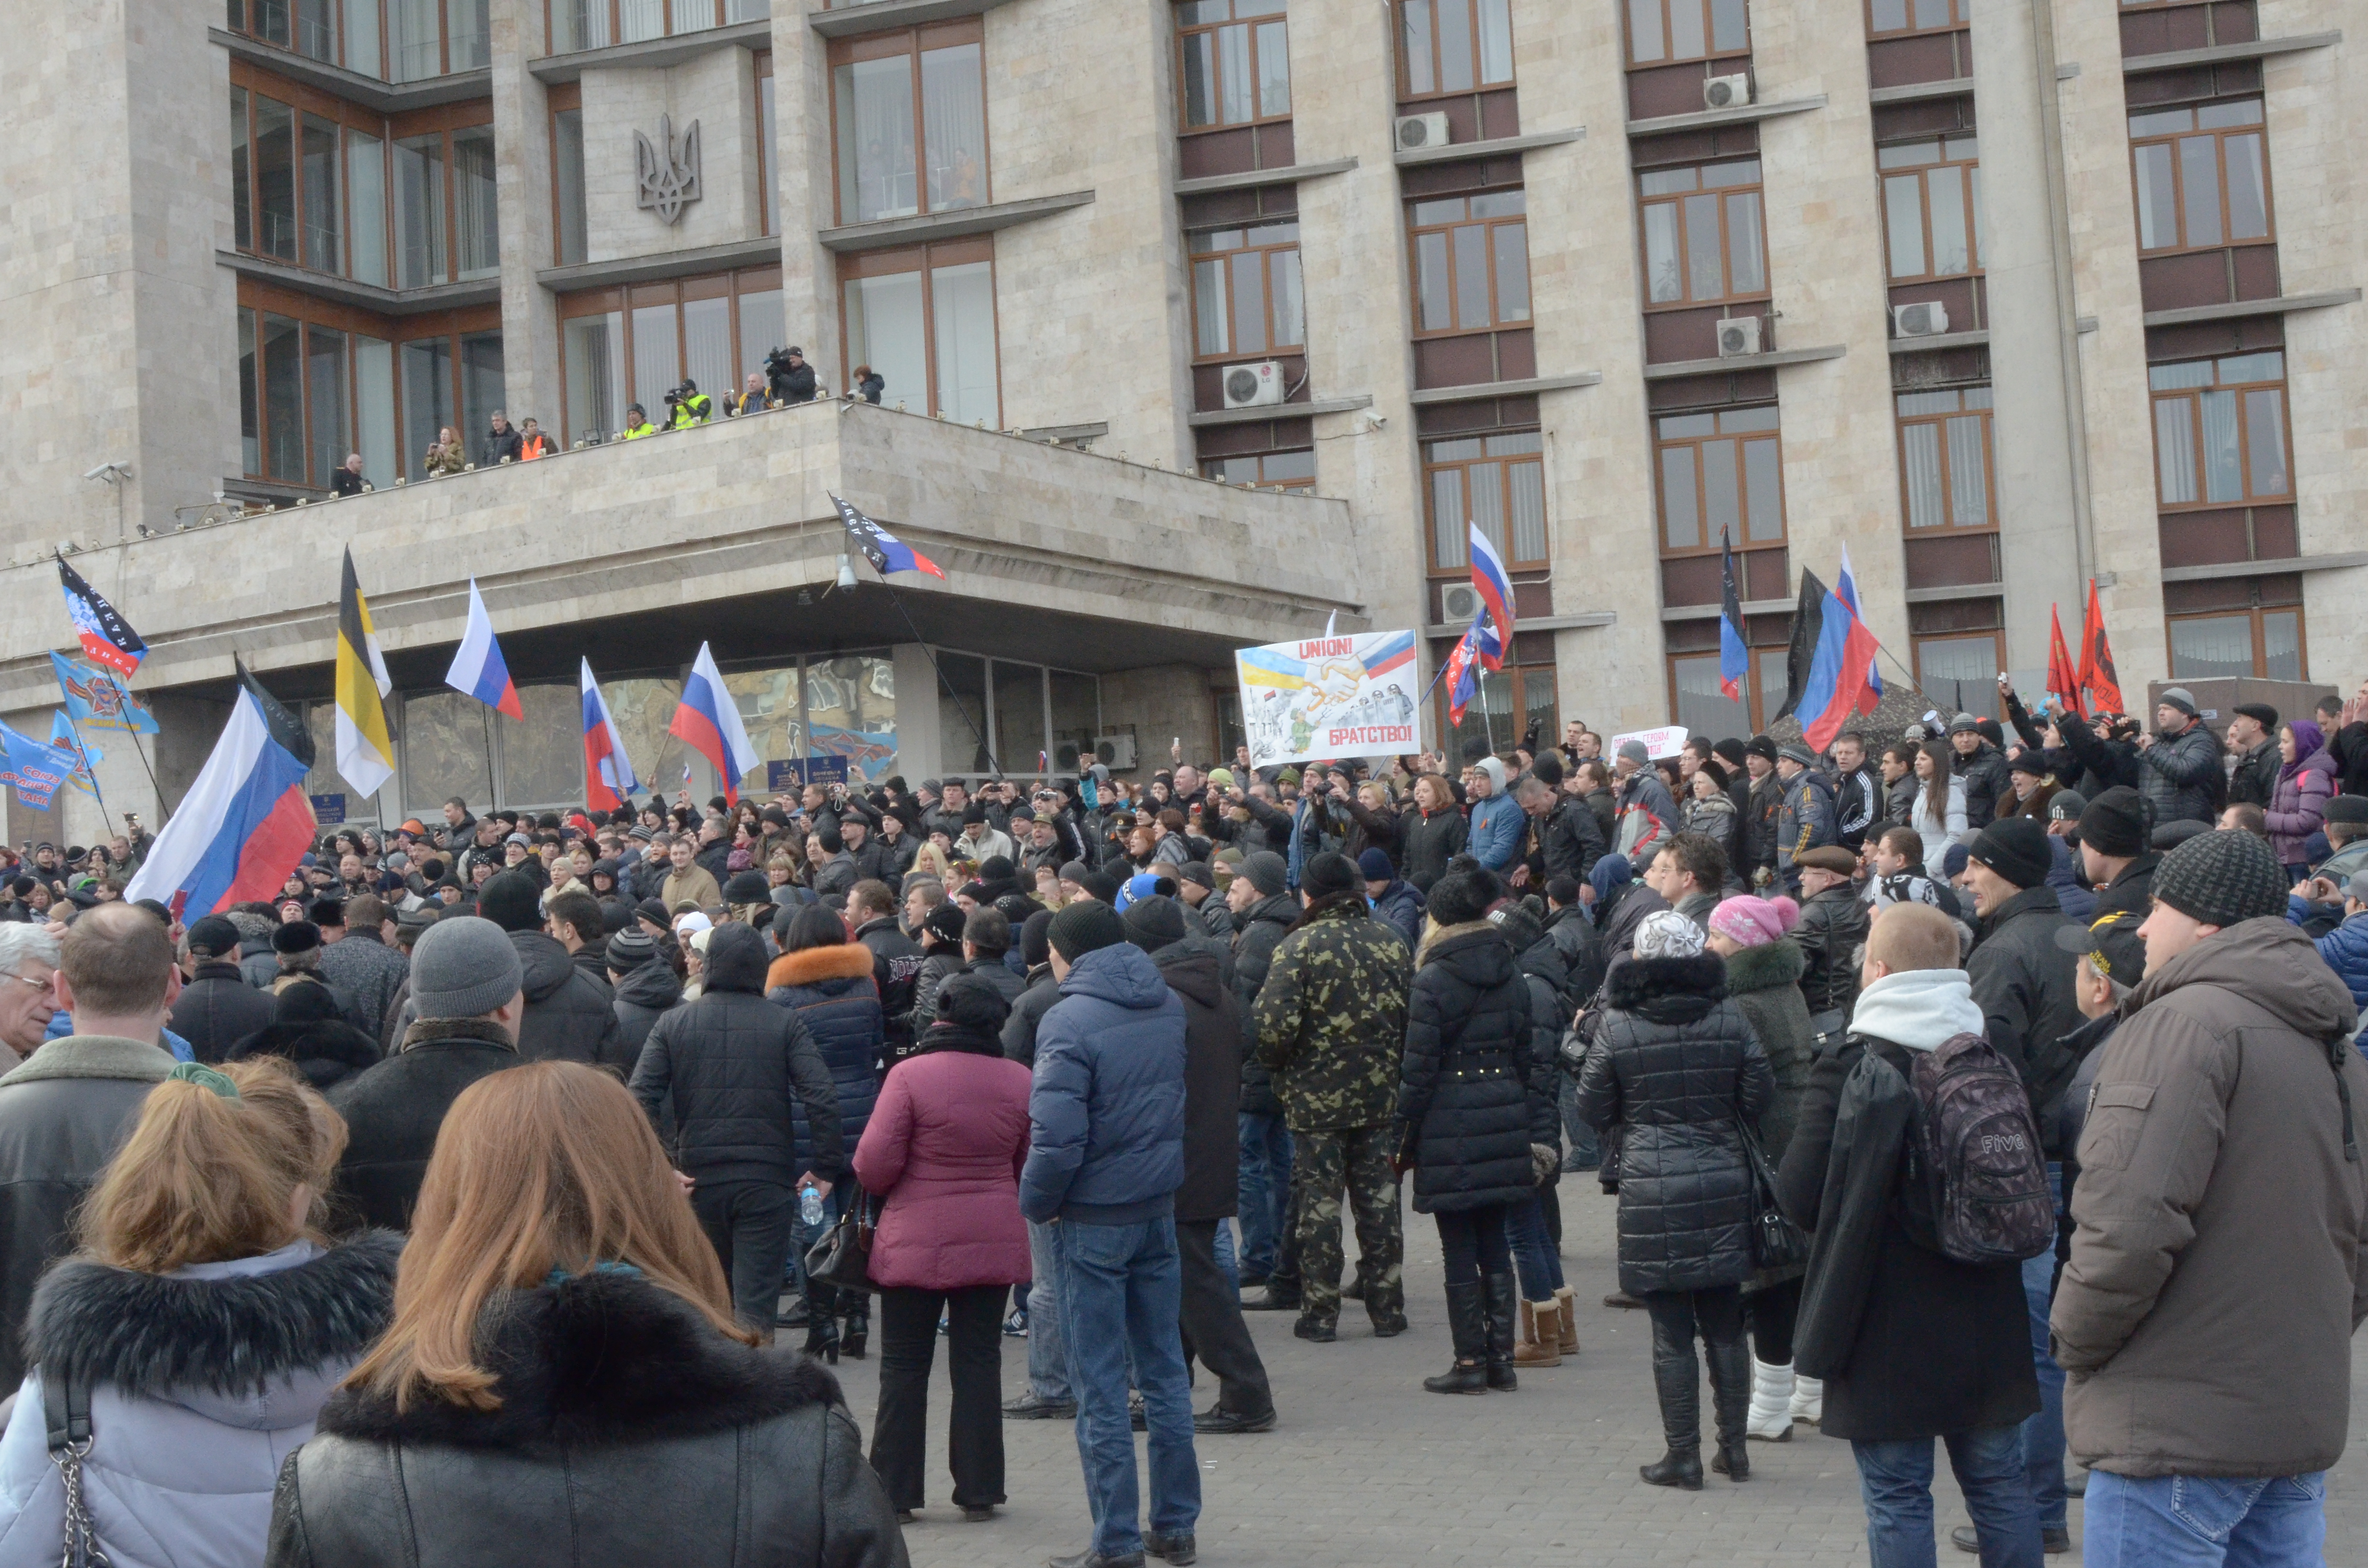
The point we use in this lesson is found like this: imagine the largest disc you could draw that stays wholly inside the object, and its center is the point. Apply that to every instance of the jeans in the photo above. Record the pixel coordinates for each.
(1534, 1258)
(748, 1223)
(1582, 1151)
(1265, 1190)
(900, 1428)
(1048, 1350)
(2190, 1521)
(1228, 1259)
(1895, 1479)
(2042, 1434)
(1120, 1300)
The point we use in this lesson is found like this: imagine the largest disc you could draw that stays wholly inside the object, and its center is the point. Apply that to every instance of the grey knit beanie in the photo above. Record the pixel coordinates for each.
(2221, 879)
(463, 968)
(1266, 871)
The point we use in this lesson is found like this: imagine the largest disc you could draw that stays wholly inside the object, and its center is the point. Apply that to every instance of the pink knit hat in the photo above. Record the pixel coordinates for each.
(1751, 922)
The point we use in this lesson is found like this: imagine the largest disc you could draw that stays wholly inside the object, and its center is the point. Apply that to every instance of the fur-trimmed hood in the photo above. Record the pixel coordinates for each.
(211, 1331)
(1780, 962)
(596, 1360)
(812, 966)
(1668, 990)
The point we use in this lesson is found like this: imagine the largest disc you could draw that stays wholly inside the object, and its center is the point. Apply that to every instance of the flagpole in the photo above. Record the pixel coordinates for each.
(83, 751)
(124, 699)
(484, 715)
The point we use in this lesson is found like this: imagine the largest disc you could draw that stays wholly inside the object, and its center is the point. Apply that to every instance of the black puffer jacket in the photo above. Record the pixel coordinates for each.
(1263, 927)
(737, 1065)
(570, 1017)
(1428, 842)
(1833, 928)
(630, 1431)
(2180, 775)
(1472, 1095)
(1986, 784)
(217, 1009)
(830, 988)
(1674, 1066)
(644, 997)
(1574, 936)
(1035, 1001)
(308, 1031)
(2024, 983)
(394, 1110)
(1571, 839)
(1213, 1082)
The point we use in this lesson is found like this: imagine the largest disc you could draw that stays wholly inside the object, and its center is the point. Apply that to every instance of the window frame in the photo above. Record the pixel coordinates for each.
(564, 98)
(769, 216)
(2256, 127)
(1267, 252)
(925, 260)
(1291, 482)
(1961, 18)
(1757, 699)
(616, 30)
(441, 120)
(626, 300)
(2193, 397)
(302, 101)
(1710, 34)
(911, 42)
(1505, 462)
(1407, 91)
(1939, 420)
(1970, 195)
(1186, 31)
(1416, 232)
(1997, 645)
(1520, 672)
(1676, 200)
(1741, 437)
(2257, 615)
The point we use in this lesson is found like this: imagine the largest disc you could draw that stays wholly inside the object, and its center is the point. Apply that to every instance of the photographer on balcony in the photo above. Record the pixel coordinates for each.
(689, 406)
(793, 379)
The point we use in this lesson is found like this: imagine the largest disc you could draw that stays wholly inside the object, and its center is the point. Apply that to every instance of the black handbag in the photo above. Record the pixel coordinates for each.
(1776, 1242)
(842, 1258)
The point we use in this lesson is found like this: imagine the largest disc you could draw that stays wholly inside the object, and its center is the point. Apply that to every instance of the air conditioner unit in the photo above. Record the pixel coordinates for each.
(1115, 752)
(1739, 336)
(1416, 131)
(1727, 91)
(1458, 603)
(1253, 386)
(1926, 318)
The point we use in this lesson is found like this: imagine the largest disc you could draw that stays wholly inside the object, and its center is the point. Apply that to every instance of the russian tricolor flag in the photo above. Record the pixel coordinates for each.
(608, 775)
(1395, 650)
(1494, 586)
(477, 668)
(709, 722)
(245, 824)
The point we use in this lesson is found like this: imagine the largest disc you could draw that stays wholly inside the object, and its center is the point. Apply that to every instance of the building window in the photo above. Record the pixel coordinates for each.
(1932, 206)
(2266, 643)
(765, 181)
(1944, 459)
(1246, 291)
(336, 32)
(1508, 702)
(417, 38)
(447, 222)
(570, 226)
(1722, 479)
(1702, 705)
(448, 382)
(619, 346)
(1662, 32)
(1470, 262)
(1703, 238)
(595, 24)
(1275, 471)
(1884, 18)
(910, 121)
(1235, 56)
(308, 182)
(1454, 46)
(924, 320)
(318, 380)
(2203, 177)
(1962, 670)
(2220, 430)
(1496, 481)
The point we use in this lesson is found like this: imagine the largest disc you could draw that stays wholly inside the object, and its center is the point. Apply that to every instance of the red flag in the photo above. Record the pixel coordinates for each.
(2100, 686)
(2063, 675)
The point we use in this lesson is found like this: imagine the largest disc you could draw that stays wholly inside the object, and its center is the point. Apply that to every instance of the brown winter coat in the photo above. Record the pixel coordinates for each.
(2218, 1273)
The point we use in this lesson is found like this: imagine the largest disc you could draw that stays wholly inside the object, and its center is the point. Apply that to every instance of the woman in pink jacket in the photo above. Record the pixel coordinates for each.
(944, 1147)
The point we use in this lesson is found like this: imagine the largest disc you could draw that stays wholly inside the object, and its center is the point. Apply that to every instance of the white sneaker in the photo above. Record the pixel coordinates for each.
(1771, 1419)
(1808, 1399)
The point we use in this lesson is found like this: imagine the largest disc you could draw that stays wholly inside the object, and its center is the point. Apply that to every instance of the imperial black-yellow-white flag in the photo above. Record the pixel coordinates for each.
(365, 751)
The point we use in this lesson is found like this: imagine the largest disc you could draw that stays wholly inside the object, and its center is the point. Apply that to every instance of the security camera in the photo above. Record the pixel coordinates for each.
(113, 473)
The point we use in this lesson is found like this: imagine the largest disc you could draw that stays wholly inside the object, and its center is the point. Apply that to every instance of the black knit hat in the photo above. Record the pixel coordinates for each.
(2115, 824)
(946, 921)
(629, 950)
(512, 901)
(2221, 879)
(1154, 923)
(1328, 874)
(1459, 899)
(1036, 939)
(747, 887)
(1762, 746)
(2016, 848)
(1083, 928)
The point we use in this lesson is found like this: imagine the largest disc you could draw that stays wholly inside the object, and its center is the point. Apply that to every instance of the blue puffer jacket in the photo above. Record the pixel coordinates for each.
(1105, 1112)
(831, 991)
(1401, 908)
(2345, 948)
(1497, 828)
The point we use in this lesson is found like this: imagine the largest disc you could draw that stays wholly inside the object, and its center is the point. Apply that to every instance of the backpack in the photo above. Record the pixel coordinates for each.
(1978, 1146)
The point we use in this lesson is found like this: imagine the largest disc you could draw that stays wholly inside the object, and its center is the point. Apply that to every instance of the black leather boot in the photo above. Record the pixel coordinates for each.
(1467, 1324)
(1677, 1380)
(853, 1338)
(822, 1323)
(1503, 1311)
(1730, 1393)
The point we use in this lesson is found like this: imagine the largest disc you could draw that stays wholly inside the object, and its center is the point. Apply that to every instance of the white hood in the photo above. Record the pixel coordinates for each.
(1919, 1009)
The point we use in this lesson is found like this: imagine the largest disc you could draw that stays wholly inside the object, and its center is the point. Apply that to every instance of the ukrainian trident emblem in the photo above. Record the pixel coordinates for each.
(669, 170)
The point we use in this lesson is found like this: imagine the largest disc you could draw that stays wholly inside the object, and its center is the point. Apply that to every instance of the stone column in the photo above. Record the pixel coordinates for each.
(522, 187)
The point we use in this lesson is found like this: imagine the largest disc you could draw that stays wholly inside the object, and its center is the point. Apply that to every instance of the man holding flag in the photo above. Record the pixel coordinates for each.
(708, 721)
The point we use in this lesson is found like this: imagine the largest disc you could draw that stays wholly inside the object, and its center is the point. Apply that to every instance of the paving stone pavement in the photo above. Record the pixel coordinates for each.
(1367, 1470)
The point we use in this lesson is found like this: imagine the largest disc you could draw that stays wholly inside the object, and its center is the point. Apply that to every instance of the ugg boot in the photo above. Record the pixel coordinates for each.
(1567, 1304)
(1808, 1399)
(1467, 1325)
(1541, 1344)
(1498, 1294)
(1772, 1403)
(1730, 1393)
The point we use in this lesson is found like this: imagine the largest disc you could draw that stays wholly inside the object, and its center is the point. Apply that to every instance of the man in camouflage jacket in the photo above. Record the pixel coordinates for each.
(1330, 1020)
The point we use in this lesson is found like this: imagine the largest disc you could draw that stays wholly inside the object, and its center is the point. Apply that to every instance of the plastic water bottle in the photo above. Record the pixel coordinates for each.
(810, 1204)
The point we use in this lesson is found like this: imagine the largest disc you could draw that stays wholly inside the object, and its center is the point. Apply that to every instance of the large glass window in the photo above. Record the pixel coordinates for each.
(242, 189)
(415, 41)
(328, 401)
(1944, 459)
(910, 108)
(1667, 31)
(1236, 60)
(308, 178)
(1019, 739)
(767, 180)
(1496, 481)
(716, 329)
(1885, 16)
(1932, 206)
(318, 380)
(362, 37)
(475, 215)
(567, 184)
(1470, 262)
(2266, 643)
(275, 178)
(595, 24)
(429, 399)
(324, 248)
(1722, 478)
(2220, 430)
(2202, 176)
(1247, 297)
(283, 398)
(1963, 669)
(1294, 469)
(1507, 700)
(1453, 46)
(419, 212)
(250, 431)
(447, 224)
(933, 343)
(366, 191)
(1701, 701)
(593, 349)
(468, 35)
(1703, 237)
(374, 409)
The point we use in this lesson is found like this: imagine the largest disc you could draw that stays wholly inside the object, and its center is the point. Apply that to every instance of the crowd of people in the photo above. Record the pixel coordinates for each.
(1993, 1089)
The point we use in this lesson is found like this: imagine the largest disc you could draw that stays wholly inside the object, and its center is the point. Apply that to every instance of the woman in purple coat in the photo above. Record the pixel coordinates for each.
(944, 1147)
